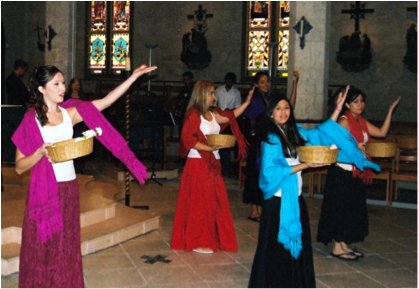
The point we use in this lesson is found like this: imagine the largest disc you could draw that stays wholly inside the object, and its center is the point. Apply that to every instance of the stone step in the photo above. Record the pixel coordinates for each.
(104, 222)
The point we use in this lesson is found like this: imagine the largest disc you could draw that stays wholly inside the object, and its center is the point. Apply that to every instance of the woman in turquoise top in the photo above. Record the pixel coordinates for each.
(284, 256)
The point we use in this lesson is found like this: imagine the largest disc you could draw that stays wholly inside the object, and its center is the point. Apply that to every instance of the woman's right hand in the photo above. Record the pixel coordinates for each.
(218, 147)
(44, 152)
(316, 165)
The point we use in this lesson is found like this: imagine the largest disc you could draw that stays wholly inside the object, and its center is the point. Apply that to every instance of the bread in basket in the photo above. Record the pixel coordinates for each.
(221, 140)
(73, 148)
(318, 154)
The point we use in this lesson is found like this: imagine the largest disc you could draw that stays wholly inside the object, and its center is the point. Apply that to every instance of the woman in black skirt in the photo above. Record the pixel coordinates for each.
(284, 255)
(343, 217)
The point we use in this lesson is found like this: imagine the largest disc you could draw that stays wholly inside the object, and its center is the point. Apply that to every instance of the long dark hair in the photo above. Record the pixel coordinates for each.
(353, 94)
(287, 132)
(41, 77)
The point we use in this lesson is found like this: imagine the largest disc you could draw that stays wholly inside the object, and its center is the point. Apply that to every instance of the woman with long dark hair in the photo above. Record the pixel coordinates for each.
(284, 256)
(50, 254)
(343, 218)
(251, 193)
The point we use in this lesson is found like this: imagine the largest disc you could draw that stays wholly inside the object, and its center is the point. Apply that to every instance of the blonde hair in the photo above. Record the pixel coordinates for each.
(199, 98)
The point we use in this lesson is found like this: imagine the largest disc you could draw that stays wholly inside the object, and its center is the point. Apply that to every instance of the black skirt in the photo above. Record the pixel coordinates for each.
(343, 216)
(252, 194)
(273, 265)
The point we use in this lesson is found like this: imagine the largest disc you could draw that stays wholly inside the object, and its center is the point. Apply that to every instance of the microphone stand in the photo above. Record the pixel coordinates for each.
(153, 176)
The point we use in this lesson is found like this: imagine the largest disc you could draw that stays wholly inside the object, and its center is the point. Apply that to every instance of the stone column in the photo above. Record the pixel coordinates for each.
(312, 62)
(61, 16)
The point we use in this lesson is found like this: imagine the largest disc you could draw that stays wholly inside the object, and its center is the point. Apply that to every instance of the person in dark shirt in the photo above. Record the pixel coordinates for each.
(17, 92)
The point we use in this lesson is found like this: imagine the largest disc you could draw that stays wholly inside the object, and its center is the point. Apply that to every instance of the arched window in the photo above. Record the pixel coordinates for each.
(267, 22)
(109, 33)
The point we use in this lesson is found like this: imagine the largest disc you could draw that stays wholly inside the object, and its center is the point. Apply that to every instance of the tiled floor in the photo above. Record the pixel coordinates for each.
(390, 250)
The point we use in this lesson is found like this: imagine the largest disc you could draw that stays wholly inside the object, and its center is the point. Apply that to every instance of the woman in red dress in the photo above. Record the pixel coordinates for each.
(203, 221)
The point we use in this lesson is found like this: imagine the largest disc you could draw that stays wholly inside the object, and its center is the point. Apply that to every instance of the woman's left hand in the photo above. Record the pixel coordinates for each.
(361, 147)
(143, 69)
(394, 104)
(250, 95)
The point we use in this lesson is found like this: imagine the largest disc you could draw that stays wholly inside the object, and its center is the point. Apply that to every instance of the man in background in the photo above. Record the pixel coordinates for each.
(17, 92)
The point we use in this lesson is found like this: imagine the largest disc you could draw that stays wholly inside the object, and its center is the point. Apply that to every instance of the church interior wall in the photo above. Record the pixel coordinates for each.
(387, 76)
(165, 23)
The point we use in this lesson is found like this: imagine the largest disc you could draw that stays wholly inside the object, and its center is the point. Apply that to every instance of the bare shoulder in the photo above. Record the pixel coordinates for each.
(343, 121)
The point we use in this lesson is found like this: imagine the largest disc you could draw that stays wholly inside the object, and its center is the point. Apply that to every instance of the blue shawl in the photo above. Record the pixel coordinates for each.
(275, 174)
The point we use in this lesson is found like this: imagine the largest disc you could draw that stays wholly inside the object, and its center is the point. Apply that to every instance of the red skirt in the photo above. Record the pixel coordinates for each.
(58, 262)
(203, 217)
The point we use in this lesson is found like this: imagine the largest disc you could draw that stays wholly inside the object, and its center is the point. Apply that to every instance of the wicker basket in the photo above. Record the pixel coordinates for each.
(221, 140)
(70, 149)
(381, 150)
(318, 154)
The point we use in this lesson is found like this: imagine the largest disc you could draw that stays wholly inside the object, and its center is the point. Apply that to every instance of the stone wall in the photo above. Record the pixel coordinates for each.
(387, 76)
(165, 23)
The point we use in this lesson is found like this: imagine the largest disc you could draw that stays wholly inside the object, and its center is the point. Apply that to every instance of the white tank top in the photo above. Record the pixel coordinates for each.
(207, 127)
(50, 134)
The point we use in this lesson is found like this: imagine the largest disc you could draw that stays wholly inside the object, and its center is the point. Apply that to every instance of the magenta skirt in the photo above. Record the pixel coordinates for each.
(56, 263)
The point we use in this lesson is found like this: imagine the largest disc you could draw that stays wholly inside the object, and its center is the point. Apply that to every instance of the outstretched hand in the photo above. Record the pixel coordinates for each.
(394, 104)
(250, 95)
(341, 99)
(143, 69)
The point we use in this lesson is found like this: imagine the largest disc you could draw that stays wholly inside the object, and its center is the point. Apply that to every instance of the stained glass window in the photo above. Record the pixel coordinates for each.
(110, 34)
(283, 49)
(259, 14)
(258, 51)
(268, 22)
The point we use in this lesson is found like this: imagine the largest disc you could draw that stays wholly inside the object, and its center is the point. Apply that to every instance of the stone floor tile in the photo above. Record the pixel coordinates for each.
(114, 278)
(348, 280)
(170, 275)
(138, 245)
(222, 272)
(103, 262)
(399, 278)
(330, 265)
(195, 259)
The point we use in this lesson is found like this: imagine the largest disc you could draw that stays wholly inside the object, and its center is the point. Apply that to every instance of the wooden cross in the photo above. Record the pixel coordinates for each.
(200, 15)
(357, 11)
(412, 9)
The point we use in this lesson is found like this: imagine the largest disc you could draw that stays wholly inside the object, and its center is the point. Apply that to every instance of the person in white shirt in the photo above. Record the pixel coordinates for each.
(227, 96)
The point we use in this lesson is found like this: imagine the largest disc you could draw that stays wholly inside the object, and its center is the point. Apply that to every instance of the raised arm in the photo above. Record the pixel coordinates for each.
(339, 104)
(293, 97)
(383, 130)
(114, 95)
(238, 111)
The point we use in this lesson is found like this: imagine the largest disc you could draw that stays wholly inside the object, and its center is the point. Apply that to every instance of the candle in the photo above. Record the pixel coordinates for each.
(127, 64)
(301, 28)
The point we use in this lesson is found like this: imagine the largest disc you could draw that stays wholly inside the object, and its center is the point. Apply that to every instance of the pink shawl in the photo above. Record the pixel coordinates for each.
(43, 202)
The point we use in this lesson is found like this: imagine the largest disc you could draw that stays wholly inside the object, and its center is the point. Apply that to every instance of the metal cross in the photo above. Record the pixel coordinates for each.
(357, 12)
